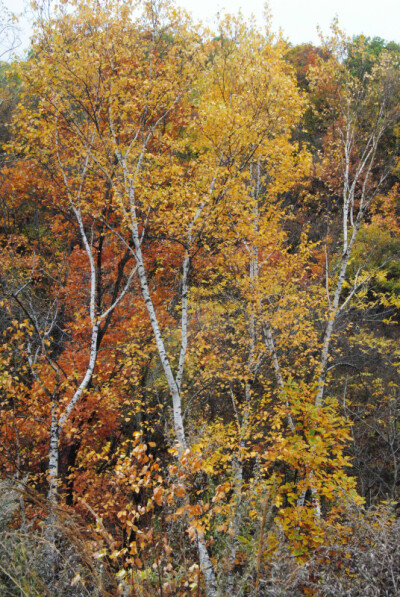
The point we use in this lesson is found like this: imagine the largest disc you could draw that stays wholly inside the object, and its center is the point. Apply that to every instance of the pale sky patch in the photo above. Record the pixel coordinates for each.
(298, 20)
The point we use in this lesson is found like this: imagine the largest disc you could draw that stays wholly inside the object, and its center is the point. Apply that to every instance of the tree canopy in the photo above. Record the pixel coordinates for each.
(199, 308)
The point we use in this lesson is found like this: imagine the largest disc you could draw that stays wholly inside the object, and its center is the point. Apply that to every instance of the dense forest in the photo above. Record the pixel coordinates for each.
(199, 308)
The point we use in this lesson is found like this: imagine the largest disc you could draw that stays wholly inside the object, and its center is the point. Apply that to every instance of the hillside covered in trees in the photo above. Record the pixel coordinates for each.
(199, 309)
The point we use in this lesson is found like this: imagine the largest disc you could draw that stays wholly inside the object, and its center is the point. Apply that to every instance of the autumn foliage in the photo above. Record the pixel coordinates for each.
(199, 303)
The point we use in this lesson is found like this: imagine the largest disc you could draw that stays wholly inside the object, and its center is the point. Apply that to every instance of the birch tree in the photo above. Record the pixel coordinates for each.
(356, 162)
(170, 124)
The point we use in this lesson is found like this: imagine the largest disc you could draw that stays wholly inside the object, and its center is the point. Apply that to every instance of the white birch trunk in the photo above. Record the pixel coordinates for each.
(174, 384)
(58, 424)
(53, 455)
(205, 560)
(362, 173)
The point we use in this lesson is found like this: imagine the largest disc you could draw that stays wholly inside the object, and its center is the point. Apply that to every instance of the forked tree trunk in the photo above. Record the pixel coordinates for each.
(173, 382)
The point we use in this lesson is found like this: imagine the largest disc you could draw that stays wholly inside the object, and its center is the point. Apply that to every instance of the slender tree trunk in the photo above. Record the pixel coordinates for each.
(173, 383)
(53, 455)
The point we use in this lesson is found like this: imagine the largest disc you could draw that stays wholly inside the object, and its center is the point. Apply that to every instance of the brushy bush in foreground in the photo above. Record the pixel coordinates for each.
(43, 554)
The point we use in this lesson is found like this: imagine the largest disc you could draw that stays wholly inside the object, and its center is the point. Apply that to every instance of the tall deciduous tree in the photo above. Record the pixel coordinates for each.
(172, 126)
